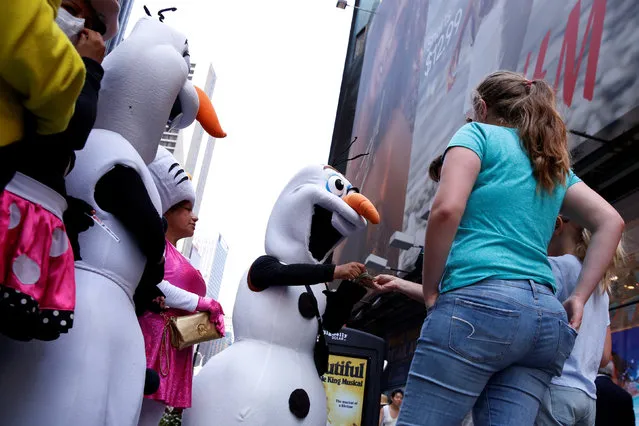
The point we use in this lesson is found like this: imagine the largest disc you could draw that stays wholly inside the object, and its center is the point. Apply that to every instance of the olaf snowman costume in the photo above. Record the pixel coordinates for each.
(94, 376)
(268, 376)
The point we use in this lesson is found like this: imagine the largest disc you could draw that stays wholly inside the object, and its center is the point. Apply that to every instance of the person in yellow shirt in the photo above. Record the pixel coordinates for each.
(36, 249)
(41, 73)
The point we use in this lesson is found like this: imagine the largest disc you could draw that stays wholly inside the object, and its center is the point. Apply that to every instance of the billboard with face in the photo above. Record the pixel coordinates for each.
(385, 118)
(424, 58)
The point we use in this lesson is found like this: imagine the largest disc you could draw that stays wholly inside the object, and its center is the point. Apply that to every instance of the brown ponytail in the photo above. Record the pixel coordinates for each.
(530, 107)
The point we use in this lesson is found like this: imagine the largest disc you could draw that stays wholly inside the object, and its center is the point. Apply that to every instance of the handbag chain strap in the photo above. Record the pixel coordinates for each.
(165, 343)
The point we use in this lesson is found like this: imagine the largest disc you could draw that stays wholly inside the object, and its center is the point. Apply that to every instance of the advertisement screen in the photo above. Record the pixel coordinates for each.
(422, 61)
(345, 383)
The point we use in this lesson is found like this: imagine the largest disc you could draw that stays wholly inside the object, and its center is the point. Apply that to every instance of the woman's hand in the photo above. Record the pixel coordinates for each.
(91, 45)
(387, 283)
(206, 304)
(575, 309)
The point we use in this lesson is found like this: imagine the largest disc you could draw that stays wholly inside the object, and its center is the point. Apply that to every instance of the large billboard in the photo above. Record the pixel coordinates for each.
(385, 117)
(423, 59)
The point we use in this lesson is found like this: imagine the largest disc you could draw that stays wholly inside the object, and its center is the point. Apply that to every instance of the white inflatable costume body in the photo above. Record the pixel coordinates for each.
(268, 376)
(94, 376)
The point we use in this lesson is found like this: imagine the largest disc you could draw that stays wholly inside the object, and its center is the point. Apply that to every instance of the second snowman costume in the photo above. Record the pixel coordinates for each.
(269, 376)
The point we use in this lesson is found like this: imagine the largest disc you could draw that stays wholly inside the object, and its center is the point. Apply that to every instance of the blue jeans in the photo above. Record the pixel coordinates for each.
(492, 347)
(565, 406)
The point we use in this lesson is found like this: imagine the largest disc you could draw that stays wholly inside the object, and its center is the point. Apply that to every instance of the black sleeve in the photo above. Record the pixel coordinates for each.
(86, 107)
(122, 193)
(339, 305)
(45, 158)
(268, 271)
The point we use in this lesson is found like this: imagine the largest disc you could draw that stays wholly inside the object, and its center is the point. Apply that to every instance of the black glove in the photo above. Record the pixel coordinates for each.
(76, 221)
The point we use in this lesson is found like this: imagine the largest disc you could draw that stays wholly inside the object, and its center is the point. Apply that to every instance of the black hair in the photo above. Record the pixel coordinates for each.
(395, 392)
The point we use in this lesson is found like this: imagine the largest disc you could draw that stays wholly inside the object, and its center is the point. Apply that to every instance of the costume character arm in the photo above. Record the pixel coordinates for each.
(38, 61)
(122, 193)
(46, 157)
(339, 304)
(268, 271)
(76, 220)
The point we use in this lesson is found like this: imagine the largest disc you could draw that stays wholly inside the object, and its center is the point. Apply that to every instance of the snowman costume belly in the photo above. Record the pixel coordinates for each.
(271, 359)
(94, 376)
(269, 376)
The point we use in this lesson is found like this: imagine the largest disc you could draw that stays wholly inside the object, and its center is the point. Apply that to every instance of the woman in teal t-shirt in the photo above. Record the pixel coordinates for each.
(496, 334)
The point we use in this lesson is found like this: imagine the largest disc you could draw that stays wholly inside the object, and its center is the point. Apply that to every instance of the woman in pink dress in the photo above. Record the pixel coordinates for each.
(184, 290)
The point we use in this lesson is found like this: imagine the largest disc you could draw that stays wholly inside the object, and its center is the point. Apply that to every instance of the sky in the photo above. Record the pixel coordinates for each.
(279, 68)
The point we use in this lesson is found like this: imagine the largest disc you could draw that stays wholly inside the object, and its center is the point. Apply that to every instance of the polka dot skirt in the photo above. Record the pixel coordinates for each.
(22, 319)
(37, 275)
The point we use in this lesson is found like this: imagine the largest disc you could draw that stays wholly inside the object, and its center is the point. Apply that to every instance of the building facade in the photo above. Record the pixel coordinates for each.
(200, 176)
(214, 283)
(216, 258)
(123, 21)
(421, 61)
(345, 115)
(203, 253)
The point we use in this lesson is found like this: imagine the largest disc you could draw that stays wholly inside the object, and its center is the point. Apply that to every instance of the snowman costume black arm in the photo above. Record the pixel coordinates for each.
(122, 193)
(267, 270)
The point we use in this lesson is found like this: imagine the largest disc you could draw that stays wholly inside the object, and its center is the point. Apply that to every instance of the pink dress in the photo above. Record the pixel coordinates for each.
(37, 278)
(175, 367)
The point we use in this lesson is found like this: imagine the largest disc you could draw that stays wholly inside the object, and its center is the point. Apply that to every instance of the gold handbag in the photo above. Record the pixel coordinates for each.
(189, 330)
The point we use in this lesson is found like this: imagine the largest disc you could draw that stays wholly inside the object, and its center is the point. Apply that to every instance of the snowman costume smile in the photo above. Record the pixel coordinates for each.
(269, 376)
(94, 376)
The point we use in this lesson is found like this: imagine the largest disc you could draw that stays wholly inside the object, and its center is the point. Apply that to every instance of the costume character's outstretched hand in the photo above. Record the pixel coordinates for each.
(349, 271)
(77, 219)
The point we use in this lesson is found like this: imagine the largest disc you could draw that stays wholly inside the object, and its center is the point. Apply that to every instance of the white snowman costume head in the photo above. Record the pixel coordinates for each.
(138, 105)
(316, 210)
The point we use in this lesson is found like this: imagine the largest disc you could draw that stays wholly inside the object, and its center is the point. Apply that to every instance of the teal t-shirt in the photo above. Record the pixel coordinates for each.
(507, 225)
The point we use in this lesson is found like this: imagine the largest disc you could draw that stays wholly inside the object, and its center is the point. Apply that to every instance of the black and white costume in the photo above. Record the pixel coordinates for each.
(269, 375)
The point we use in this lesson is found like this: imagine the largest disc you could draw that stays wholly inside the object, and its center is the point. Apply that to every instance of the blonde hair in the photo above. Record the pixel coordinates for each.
(530, 107)
(618, 260)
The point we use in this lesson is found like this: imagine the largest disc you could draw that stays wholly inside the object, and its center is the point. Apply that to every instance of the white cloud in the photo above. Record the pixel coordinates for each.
(279, 66)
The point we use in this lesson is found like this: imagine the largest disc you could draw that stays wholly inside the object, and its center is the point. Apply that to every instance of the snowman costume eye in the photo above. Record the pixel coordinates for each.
(337, 184)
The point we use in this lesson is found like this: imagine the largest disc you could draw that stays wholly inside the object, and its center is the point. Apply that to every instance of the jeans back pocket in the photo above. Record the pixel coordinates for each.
(480, 332)
(565, 344)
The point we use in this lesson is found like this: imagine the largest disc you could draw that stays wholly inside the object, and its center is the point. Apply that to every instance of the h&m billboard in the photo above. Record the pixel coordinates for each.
(423, 58)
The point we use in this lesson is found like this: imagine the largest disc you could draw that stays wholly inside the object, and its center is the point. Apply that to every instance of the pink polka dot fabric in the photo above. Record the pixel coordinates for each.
(37, 280)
